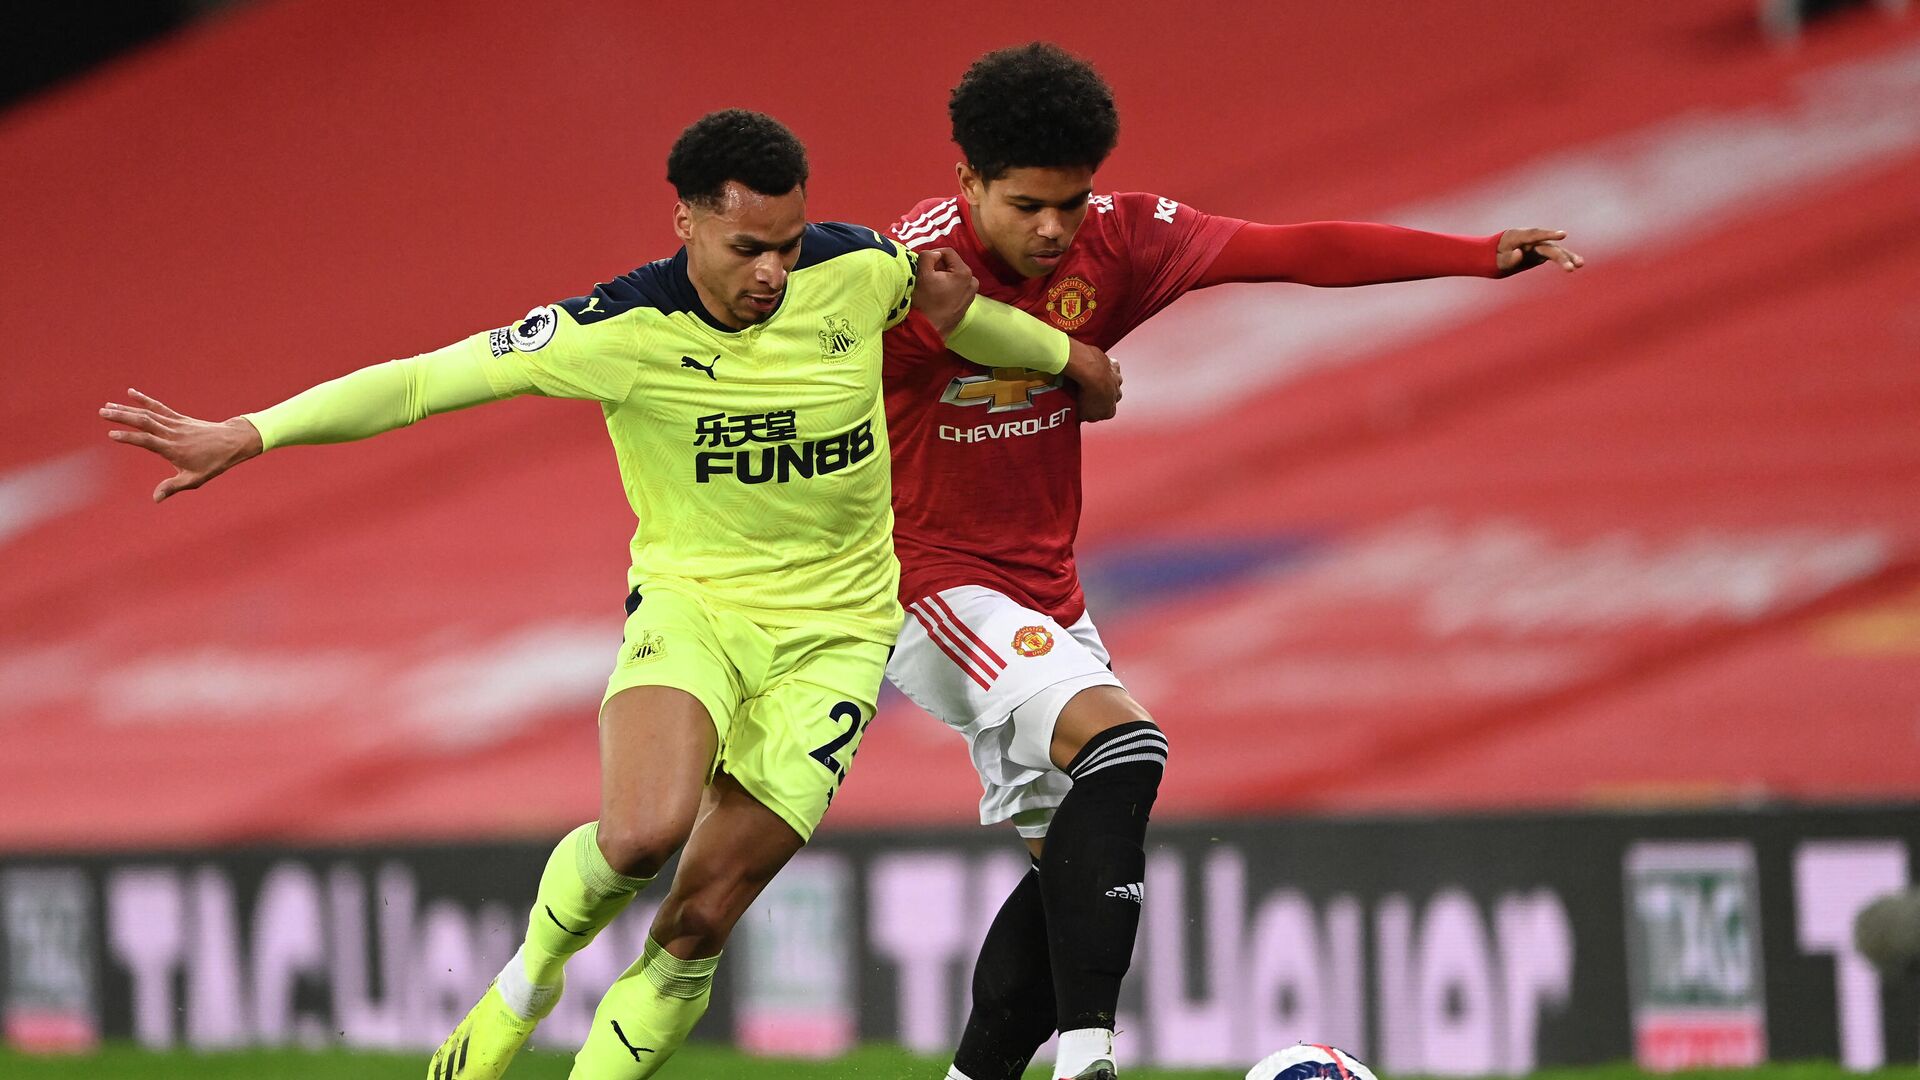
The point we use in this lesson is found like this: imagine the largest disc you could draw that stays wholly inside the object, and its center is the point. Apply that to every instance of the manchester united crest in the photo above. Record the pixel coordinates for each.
(1070, 303)
(1033, 641)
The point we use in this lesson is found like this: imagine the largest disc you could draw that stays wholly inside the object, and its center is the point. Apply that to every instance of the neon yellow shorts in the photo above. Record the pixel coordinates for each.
(789, 705)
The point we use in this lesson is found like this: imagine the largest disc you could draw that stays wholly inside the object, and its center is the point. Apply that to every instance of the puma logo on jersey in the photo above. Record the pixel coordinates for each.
(690, 362)
(593, 307)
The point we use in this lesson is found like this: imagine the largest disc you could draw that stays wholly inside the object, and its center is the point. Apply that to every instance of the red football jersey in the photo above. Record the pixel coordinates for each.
(986, 465)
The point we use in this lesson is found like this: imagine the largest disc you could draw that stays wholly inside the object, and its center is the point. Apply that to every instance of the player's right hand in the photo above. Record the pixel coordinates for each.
(1098, 376)
(198, 450)
(945, 287)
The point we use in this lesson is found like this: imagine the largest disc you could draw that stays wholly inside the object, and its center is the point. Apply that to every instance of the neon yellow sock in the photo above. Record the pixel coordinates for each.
(579, 895)
(645, 1016)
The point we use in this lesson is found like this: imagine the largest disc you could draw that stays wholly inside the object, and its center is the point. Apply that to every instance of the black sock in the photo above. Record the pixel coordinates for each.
(1093, 870)
(1012, 990)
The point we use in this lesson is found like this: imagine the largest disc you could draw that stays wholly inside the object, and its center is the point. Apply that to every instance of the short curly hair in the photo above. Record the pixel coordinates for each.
(735, 144)
(1033, 105)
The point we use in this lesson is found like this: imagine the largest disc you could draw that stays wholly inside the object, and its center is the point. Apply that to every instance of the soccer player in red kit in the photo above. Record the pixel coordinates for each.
(999, 645)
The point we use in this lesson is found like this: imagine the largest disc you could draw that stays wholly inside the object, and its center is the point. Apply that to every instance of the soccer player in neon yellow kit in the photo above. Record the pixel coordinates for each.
(740, 380)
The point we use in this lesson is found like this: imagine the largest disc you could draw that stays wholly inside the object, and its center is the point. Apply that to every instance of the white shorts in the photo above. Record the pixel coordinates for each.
(999, 673)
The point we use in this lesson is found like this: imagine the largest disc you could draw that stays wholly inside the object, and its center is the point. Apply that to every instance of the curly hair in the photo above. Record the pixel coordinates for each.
(735, 144)
(1033, 105)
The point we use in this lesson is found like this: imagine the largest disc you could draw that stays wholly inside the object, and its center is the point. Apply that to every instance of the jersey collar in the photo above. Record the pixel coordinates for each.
(687, 298)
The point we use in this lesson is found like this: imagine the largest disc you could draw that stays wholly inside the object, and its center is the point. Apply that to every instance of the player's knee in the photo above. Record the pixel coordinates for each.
(705, 918)
(1089, 715)
(639, 848)
(1127, 760)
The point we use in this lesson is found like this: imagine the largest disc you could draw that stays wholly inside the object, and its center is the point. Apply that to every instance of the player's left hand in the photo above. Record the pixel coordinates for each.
(945, 287)
(1098, 376)
(1522, 249)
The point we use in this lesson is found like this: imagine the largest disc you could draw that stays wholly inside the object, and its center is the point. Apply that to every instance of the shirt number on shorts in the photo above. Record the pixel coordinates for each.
(850, 713)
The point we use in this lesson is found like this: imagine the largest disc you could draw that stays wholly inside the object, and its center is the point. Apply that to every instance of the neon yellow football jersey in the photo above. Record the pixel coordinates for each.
(756, 460)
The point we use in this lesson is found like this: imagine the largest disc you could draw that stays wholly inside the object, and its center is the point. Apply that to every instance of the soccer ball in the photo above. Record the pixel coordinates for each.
(1310, 1061)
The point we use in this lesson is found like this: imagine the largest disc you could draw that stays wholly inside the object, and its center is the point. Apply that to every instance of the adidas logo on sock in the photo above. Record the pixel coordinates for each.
(1137, 892)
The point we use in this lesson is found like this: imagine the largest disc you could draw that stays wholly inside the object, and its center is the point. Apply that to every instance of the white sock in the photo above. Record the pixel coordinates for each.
(1080, 1048)
(527, 999)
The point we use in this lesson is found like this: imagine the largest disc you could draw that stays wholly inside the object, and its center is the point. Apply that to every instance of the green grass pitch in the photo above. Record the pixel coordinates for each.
(699, 1062)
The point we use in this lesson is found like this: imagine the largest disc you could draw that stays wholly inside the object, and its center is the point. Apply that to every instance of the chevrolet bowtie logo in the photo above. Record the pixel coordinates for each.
(1006, 390)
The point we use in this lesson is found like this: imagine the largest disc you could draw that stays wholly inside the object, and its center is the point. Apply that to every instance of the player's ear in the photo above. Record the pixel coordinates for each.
(972, 187)
(682, 221)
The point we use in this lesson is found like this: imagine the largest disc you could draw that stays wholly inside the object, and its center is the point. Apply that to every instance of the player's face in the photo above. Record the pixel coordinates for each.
(739, 250)
(1028, 216)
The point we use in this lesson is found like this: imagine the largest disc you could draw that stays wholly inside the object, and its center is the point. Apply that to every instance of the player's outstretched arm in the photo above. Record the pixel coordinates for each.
(1338, 254)
(198, 450)
(354, 406)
